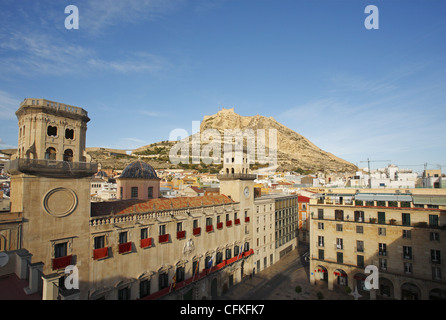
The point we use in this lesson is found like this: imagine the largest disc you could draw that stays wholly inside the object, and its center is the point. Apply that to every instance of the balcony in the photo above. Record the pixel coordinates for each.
(246, 219)
(220, 225)
(198, 276)
(209, 228)
(51, 168)
(100, 253)
(61, 262)
(163, 238)
(196, 231)
(181, 234)
(229, 223)
(237, 221)
(236, 176)
(146, 243)
(125, 247)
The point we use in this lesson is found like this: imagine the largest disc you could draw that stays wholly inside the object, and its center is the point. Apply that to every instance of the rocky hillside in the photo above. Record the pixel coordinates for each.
(294, 151)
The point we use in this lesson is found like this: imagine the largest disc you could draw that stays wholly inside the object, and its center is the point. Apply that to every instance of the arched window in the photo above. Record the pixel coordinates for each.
(50, 154)
(68, 155)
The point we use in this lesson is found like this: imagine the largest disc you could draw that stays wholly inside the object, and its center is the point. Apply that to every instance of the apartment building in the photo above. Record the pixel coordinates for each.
(401, 232)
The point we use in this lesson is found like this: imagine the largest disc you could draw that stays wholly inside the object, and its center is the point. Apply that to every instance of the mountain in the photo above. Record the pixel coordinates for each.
(294, 151)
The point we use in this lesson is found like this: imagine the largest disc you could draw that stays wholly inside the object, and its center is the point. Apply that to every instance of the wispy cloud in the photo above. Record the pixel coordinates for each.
(32, 53)
(152, 113)
(97, 15)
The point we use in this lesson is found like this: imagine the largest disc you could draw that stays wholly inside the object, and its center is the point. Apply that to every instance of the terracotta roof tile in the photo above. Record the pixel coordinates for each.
(141, 206)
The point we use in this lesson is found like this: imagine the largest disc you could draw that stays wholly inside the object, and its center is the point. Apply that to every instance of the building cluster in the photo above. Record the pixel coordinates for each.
(140, 233)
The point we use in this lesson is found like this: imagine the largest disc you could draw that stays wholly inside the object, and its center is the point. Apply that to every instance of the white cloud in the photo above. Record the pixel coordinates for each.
(46, 54)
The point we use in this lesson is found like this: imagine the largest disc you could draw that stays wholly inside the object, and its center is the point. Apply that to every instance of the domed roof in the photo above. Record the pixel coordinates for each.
(139, 170)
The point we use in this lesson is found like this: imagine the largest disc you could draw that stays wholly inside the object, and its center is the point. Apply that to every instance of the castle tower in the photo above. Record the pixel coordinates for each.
(50, 186)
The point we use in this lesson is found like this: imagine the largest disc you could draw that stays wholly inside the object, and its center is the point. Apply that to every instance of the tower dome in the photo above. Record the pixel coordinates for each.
(138, 170)
(138, 181)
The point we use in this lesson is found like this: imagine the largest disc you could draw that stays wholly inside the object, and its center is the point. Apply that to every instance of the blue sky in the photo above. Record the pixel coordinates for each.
(142, 68)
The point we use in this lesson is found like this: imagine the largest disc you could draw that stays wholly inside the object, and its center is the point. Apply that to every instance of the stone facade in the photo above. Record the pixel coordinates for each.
(403, 237)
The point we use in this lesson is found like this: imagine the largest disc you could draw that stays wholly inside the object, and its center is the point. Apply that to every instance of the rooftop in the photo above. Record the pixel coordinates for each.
(143, 206)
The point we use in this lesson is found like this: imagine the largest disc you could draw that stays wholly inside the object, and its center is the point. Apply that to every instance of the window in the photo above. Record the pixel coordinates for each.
(123, 237)
(381, 217)
(144, 288)
(236, 251)
(99, 242)
(320, 241)
(339, 257)
(359, 216)
(163, 280)
(360, 261)
(134, 192)
(382, 264)
(434, 236)
(321, 254)
(68, 155)
(320, 213)
(179, 274)
(407, 252)
(339, 215)
(359, 229)
(162, 229)
(51, 131)
(218, 257)
(339, 243)
(144, 233)
(436, 273)
(60, 250)
(406, 219)
(407, 234)
(435, 256)
(228, 254)
(124, 294)
(320, 225)
(69, 134)
(359, 246)
(195, 223)
(150, 192)
(407, 268)
(338, 227)
(179, 226)
(50, 154)
(433, 220)
(382, 251)
(382, 231)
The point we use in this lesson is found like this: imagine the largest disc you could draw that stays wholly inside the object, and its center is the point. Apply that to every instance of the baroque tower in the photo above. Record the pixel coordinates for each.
(50, 186)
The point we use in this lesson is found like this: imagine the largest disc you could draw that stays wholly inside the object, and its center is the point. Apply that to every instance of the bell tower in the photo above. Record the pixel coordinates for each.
(235, 178)
(50, 187)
